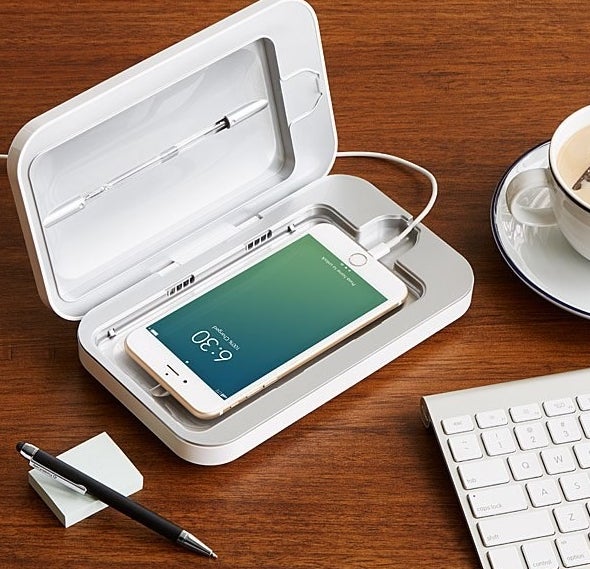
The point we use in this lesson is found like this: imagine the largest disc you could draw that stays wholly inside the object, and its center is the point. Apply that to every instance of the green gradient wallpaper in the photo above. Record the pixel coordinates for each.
(263, 317)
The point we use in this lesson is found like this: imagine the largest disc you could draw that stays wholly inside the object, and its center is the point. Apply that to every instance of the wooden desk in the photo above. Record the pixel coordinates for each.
(461, 87)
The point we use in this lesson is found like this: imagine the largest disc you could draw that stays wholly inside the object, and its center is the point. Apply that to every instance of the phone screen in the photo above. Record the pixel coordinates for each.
(263, 317)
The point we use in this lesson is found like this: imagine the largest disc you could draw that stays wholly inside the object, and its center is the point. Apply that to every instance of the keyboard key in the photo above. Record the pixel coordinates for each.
(585, 420)
(531, 436)
(558, 460)
(583, 401)
(540, 554)
(525, 466)
(575, 486)
(572, 517)
(454, 425)
(557, 407)
(495, 418)
(498, 441)
(522, 413)
(465, 447)
(573, 550)
(582, 452)
(510, 528)
(483, 473)
(495, 501)
(505, 558)
(543, 492)
(564, 430)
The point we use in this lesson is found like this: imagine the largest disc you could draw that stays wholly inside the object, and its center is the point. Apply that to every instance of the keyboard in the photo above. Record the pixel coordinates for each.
(519, 457)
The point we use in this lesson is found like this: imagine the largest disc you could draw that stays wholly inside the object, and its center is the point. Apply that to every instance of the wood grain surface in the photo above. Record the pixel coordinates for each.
(462, 87)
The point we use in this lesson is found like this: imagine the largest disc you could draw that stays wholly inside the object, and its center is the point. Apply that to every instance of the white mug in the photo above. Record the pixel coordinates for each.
(568, 210)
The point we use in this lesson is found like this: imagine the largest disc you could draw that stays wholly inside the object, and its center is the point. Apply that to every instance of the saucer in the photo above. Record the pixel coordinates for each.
(540, 256)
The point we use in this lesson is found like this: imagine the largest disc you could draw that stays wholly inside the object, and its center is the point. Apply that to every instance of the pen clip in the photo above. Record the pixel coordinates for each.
(58, 478)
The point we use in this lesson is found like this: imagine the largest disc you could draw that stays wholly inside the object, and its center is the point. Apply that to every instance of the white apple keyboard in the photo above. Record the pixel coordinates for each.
(519, 457)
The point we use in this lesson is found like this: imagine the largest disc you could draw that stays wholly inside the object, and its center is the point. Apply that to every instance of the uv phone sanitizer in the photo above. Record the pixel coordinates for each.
(142, 188)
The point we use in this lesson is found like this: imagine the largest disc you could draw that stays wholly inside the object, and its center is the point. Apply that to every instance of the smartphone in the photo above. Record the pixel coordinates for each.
(260, 323)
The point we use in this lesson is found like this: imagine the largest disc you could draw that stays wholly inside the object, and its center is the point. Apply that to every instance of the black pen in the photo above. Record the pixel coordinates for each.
(82, 483)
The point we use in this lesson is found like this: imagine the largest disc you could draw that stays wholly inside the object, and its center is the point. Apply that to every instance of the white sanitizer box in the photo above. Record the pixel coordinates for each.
(138, 190)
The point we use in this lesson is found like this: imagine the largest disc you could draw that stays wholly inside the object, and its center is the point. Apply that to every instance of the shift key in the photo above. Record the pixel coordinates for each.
(515, 527)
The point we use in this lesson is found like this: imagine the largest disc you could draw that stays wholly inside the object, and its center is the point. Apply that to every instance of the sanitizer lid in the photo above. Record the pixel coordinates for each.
(111, 184)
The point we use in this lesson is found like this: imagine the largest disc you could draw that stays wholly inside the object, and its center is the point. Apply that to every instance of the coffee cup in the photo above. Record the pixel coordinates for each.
(569, 165)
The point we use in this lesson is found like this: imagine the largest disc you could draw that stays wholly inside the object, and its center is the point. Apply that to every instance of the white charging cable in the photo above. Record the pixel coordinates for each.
(3, 156)
(382, 249)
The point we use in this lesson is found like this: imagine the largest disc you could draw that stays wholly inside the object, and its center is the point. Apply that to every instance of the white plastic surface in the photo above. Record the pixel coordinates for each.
(268, 51)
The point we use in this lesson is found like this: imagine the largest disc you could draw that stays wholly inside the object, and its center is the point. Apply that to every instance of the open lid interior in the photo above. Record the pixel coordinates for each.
(121, 181)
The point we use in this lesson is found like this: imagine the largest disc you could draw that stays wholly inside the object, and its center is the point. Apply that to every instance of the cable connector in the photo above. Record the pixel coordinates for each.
(380, 250)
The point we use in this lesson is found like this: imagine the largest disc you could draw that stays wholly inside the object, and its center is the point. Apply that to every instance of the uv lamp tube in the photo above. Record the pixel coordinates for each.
(230, 120)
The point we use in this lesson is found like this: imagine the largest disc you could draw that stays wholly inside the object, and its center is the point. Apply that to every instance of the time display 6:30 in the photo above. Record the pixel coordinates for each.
(209, 344)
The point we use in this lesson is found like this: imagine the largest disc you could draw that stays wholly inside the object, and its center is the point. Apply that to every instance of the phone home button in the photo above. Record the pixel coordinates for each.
(357, 259)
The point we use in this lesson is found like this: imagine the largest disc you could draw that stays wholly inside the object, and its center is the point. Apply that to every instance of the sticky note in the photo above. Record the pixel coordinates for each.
(100, 458)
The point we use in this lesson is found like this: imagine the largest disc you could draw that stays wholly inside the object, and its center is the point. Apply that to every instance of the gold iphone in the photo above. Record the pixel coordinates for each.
(288, 306)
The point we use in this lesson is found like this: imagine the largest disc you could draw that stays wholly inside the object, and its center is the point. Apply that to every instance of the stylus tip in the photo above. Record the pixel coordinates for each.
(19, 446)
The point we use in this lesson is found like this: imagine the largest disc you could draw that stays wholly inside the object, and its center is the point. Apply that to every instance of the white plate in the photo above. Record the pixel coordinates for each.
(540, 256)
